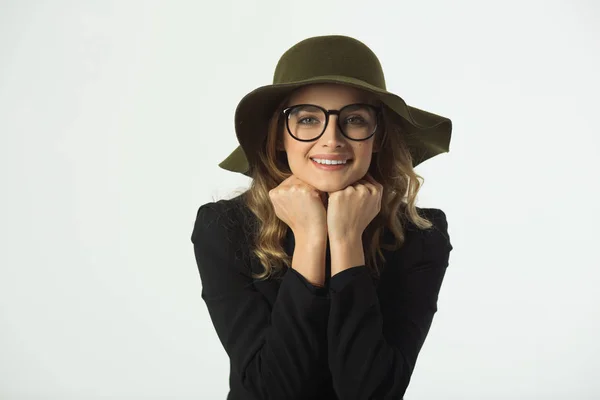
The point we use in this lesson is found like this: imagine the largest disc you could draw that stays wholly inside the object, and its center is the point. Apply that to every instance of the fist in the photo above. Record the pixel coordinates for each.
(350, 210)
(300, 206)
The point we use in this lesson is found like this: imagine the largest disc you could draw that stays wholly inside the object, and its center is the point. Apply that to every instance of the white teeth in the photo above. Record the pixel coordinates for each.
(329, 162)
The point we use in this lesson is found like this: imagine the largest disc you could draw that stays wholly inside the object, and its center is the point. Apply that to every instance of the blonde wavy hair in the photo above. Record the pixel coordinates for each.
(391, 166)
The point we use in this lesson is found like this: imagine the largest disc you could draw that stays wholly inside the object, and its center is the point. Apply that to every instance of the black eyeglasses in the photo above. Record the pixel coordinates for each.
(307, 122)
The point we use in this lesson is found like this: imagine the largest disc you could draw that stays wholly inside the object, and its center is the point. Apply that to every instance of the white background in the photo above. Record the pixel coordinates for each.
(115, 114)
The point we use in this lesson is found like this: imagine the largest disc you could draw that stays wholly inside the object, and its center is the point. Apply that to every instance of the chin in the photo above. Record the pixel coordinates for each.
(329, 186)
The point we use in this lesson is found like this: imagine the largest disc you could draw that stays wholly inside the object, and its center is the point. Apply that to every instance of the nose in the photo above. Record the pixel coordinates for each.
(333, 137)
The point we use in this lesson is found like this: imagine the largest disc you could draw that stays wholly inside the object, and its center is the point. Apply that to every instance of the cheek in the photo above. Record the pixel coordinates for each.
(296, 151)
(364, 152)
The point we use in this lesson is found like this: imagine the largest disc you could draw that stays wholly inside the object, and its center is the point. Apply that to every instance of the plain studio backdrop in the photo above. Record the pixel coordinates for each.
(115, 114)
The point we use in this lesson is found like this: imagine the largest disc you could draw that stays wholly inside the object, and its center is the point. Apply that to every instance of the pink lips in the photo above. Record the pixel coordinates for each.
(330, 167)
(331, 156)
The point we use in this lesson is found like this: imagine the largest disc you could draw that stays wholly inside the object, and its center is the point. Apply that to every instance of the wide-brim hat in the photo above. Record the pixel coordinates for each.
(330, 59)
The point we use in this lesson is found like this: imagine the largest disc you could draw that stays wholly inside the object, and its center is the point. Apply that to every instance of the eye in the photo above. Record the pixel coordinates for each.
(308, 121)
(306, 115)
(355, 120)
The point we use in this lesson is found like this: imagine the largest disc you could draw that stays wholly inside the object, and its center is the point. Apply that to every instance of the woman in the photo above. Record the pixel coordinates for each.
(322, 279)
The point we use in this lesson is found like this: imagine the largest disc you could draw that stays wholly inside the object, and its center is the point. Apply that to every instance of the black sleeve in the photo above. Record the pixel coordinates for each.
(275, 351)
(373, 345)
(317, 290)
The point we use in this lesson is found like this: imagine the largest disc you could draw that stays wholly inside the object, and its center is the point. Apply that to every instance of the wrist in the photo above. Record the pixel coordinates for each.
(309, 259)
(345, 240)
(346, 253)
(316, 237)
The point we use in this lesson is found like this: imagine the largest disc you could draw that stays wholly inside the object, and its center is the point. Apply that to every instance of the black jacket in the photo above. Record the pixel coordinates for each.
(357, 338)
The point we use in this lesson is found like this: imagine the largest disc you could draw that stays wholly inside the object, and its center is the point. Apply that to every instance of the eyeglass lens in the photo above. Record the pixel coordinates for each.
(307, 122)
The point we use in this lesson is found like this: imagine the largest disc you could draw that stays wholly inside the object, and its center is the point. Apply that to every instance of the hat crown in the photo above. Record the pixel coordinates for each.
(329, 56)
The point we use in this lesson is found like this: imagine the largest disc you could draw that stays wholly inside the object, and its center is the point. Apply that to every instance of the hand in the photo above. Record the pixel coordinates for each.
(300, 206)
(350, 210)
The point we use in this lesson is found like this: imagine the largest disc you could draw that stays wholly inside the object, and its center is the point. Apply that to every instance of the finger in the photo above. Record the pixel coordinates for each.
(372, 188)
(288, 181)
(372, 180)
(301, 182)
(378, 185)
(298, 183)
(294, 181)
(368, 185)
(369, 180)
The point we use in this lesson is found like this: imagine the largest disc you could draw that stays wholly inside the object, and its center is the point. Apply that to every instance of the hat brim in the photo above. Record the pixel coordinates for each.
(429, 134)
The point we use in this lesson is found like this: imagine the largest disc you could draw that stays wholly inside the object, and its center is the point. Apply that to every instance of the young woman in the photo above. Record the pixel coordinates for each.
(322, 279)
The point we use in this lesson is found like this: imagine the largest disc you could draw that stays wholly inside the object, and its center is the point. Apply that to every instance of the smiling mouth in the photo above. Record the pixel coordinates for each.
(331, 162)
(331, 165)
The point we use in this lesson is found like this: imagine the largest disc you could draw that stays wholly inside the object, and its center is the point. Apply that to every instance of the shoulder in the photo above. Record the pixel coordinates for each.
(437, 217)
(220, 217)
(437, 235)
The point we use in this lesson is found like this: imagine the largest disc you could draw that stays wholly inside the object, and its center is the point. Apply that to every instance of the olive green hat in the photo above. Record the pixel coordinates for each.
(330, 59)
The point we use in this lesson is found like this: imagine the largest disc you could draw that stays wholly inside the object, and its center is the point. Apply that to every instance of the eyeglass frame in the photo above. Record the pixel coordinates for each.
(286, 112)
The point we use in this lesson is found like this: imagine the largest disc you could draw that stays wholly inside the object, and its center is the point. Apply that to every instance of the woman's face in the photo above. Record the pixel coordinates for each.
(332, 144)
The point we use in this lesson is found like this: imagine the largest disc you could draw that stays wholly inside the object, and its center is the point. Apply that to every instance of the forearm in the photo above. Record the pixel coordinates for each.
(277, 349)
(346, 253)
(309, 258)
